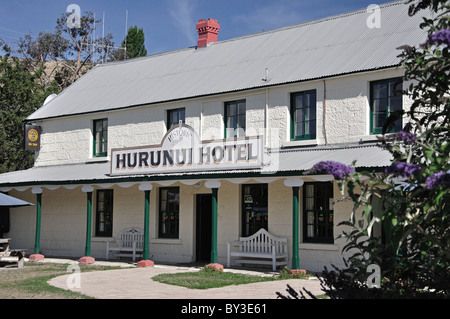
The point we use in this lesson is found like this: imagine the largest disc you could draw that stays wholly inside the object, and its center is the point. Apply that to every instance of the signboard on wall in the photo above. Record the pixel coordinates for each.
(32, 137)
(182, 151)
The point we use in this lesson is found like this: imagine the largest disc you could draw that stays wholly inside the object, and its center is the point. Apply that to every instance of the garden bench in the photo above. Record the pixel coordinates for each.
(129, 244)
(259, 248)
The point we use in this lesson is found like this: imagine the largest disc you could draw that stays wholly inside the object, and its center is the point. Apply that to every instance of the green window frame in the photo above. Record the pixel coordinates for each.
(100, 147)
(385, 98)
(303, 115)
(255, 211)
(235, 118)
(175, 116)
(104, 213)
(169, 212)
(318, 212)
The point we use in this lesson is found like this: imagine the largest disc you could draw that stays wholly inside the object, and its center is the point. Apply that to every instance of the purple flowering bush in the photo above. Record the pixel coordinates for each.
(338, 170)
(437, 180)
(403, 169)
(400, 219)
(439, 37)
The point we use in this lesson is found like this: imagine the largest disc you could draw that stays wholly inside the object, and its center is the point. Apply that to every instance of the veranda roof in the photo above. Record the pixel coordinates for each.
(288, 162)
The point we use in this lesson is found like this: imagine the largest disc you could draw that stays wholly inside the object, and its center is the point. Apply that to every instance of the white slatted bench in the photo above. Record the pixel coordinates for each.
(129, 244)
(259, 248)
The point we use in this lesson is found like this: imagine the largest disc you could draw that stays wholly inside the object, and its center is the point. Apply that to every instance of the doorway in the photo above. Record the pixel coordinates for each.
(203, 226)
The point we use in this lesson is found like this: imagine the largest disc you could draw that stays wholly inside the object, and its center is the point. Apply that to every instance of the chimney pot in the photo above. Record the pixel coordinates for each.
(207, 31)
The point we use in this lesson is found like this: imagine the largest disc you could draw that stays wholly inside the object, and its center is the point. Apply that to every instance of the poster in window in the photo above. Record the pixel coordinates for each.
(32, 137)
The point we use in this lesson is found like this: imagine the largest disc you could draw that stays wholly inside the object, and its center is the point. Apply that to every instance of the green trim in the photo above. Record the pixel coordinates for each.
(145, 255)
(295, 228)
(214, 226)
(87, 249)
(293, 115)
(379, 130)
(94, 150)
(37, 242)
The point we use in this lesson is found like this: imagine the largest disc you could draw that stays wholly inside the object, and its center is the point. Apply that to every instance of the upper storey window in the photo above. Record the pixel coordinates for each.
(385, 98)
(303, 115)
(175, 116)
(235, 119)
(100, 138)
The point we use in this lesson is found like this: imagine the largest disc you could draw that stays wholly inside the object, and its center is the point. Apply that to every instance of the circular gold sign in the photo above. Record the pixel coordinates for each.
(33, 135)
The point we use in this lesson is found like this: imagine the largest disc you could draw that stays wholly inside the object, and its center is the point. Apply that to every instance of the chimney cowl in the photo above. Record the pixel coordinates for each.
(207, 32)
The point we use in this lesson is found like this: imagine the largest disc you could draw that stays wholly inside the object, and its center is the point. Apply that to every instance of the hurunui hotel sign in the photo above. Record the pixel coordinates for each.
(181, 151)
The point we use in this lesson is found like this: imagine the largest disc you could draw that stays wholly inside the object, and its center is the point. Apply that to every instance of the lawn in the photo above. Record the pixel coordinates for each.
(208, 278)
(205, 280)
(30, 282)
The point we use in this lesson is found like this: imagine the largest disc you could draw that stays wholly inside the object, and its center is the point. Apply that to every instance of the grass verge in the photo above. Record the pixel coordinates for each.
(208, 278)
(205, 280)
(30, 282)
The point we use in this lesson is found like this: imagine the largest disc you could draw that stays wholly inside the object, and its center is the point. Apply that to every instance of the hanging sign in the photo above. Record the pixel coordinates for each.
(182, 151)
(32, 137)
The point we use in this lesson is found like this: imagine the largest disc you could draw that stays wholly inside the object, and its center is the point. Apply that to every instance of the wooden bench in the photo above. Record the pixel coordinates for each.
(11, 255)
(129, 244)
(259, 248)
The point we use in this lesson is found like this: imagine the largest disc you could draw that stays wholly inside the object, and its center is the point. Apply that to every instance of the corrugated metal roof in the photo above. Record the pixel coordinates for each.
(333, 46)
(283, 163)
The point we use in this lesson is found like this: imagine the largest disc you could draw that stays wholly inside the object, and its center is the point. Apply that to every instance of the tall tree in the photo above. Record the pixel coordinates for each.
(133, 45)
(135, 42)
(20, 95)
(73, 48)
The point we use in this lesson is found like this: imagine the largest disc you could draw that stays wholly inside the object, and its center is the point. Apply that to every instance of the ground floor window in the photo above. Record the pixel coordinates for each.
(254, 208)
(318, 212)
(169, 212)
(104, 213)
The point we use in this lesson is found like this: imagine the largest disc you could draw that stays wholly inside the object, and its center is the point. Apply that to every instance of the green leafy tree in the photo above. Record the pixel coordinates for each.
(20, 95)
(135, 42)
(133, 45)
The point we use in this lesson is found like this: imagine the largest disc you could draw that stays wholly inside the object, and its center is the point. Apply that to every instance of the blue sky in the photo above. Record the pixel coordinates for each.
(170, 24)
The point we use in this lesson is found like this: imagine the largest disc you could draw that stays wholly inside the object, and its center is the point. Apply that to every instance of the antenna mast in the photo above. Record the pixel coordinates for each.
(126, 33)
(103, 46)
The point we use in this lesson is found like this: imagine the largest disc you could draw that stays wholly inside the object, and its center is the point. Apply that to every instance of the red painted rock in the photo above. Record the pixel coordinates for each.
(215, 266)
(145, 263)
(86, 260)
(298, 271)
(36, 257)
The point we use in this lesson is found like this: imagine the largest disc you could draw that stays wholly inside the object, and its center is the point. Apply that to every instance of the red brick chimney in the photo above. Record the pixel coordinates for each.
(207, 31)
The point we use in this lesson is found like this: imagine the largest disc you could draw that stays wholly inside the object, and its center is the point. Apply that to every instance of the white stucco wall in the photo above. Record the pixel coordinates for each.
(69, 140)
(63, 223)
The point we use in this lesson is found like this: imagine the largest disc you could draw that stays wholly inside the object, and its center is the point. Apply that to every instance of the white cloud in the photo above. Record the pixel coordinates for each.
(182, 13)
